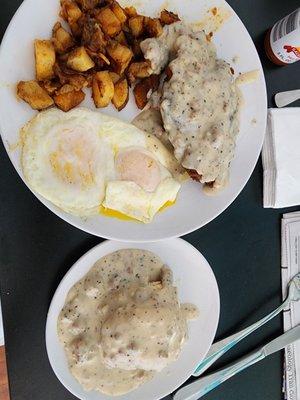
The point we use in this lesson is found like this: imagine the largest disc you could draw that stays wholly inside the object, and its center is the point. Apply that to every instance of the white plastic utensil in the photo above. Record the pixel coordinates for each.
(283, 99)
(204, 385)
(221, 347)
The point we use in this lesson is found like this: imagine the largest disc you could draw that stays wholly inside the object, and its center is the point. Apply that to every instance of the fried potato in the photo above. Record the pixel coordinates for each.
(68, 98)
(61, 39)
(102, 89)
(140, 69)
(120, 55)
(110, 24)
(136, 48)
(121, 38)
(168, 18)
(34, 95)
(153, 27)
(119, 12)
(87, 5)
(144, 89)
(93, 37)
(51, 86)
(121, 94)
(79, 60)
(114, 77)
(130, 11)
(44, 59)
(136, 25)
(74, 79)
(70, 11)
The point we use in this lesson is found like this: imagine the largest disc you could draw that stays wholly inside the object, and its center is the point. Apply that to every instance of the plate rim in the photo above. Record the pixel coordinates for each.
(76, 264)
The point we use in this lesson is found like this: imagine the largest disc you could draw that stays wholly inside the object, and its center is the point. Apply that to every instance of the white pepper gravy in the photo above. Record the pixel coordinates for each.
(200, 103)
(122, 322)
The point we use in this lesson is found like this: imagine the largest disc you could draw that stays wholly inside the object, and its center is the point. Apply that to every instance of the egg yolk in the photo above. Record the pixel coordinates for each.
(138, 167)
(108, 212)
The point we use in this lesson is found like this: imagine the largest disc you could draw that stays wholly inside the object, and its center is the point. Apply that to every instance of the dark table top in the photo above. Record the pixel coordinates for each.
(242, 245)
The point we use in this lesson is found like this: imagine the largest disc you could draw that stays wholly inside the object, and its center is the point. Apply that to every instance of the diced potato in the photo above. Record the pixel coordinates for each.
(136, 48)
(76, 80)
(79, 60)
(34, 95)
(93, 37)
(119, 12)
(86, 5)
(70, 11)
(136, 25)
(140, 69)
(144, 89)
(130, 11)
(121, 94)
(110, 24)
(76, 30)
(103, 89)
(168, 18)
(51, 86)
(44, 59)
(61, 39)
(121, 38)
(68, 98)
(154, 27)
(67, 88)
(114, 77)
(120, 55)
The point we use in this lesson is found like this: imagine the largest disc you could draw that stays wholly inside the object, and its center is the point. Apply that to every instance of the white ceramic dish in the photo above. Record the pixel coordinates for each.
(193, 209)
(196, 284)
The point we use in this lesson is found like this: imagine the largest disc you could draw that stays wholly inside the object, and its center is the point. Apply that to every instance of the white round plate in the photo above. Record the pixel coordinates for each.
(193, 209)
(196, 284)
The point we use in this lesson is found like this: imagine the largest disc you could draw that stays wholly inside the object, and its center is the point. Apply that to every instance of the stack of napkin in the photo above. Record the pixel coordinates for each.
(281, 158)
(290, 266)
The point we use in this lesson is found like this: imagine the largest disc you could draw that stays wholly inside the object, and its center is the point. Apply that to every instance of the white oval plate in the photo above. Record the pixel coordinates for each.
(193, 209)
(196, 284)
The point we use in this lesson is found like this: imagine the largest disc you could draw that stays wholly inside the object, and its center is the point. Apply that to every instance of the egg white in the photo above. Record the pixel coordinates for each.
(69, 158)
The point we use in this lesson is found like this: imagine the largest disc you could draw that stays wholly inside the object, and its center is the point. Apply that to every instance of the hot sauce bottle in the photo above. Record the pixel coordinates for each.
(282, 42)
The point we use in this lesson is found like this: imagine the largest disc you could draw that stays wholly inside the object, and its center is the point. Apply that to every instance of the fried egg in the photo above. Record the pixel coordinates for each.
(84, 161)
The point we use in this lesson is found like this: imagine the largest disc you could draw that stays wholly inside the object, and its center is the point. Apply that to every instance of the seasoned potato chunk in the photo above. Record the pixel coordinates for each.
(70, 11)
(114, 77)
(44, 59)
(68, 98)
(130, 11)
(61, 39)
(34, 95)
(143, 90)
(86, 5)
(136, 25)
(103, 89)
(121, 38)
(119, 12)
(154, 27)
(120, 55)
(168, 18)
(51, 86)
(110, 24)
(93, 37)
(74, 79)
(140, 69)
(79, 60)
(121, 94)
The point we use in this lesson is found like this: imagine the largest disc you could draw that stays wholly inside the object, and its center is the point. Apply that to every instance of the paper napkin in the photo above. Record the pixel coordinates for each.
(281, 158)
